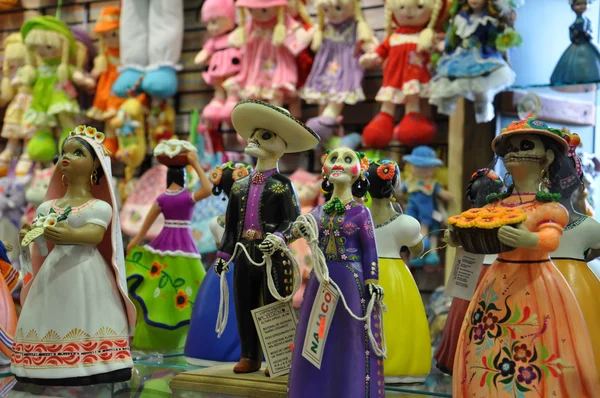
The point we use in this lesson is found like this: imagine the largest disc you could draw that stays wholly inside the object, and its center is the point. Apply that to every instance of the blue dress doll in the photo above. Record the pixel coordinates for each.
(423, 192)
(473, 65)
(580, 63)
(203, 347)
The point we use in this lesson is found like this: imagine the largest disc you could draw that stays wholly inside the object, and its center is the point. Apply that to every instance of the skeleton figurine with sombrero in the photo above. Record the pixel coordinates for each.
(261, 211)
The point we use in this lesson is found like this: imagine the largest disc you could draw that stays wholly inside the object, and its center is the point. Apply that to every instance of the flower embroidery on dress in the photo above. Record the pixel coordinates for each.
(416, 59)
(278, 188)
(333, 68)
(181, 300)
(155, 269)
(508, 352)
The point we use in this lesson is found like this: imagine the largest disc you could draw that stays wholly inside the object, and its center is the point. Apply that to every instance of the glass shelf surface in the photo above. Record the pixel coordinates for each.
(153, 373)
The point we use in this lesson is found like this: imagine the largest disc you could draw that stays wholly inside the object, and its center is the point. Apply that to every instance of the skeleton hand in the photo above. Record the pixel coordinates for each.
(269, 245)
(300, 230)
(220, 266)
(450, 238)
(375, 290)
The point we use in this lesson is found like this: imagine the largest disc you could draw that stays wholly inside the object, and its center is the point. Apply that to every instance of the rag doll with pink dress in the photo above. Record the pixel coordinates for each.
(269, 42)
(222, 60)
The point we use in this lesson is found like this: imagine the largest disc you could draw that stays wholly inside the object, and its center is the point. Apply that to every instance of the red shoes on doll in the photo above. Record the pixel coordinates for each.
(414, 129)
(218, 111)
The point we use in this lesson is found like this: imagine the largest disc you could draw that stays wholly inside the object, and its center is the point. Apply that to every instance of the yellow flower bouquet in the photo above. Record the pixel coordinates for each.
(477, 229)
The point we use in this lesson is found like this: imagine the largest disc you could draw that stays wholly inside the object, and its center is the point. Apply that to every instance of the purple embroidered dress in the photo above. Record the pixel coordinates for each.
(336, 76)
(349, 367)
(164, 277)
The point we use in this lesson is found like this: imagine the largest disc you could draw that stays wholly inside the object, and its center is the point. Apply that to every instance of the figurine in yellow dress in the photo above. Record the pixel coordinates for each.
(524, 334)
(408, 348)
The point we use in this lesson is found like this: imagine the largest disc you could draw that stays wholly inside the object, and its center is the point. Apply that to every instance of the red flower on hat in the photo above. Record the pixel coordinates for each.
(386, 171)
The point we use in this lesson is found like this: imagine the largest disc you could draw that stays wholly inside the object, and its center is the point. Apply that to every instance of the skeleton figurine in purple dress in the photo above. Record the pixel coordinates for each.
(164, 276)
(352, 360)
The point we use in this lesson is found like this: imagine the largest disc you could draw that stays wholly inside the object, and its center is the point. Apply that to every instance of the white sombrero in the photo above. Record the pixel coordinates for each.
(249, 115)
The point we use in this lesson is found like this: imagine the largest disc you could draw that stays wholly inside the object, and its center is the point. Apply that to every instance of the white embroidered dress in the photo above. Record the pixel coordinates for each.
(73, 322)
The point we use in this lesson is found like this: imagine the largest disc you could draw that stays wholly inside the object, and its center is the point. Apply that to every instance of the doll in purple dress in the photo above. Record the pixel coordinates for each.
(164, 276)
(350, 365)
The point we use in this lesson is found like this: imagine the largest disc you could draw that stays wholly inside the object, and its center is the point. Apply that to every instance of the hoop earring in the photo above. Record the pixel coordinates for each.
(62, 179)
(545, 181)
(94, 178)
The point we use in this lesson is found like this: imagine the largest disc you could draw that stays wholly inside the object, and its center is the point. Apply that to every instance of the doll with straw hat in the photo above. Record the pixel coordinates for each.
(269, 71)
(107, 104)
(53, 105)
(14, 57)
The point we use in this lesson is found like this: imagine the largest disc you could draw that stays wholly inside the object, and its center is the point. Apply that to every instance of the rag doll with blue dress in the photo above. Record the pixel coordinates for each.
(473, 64)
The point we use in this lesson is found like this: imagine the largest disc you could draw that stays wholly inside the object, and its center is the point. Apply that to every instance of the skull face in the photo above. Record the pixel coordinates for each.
(264, 144)
(526, 155)
(342, 165)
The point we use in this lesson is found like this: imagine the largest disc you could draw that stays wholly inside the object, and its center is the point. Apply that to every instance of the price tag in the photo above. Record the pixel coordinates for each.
(464, 276)
(276, 327)
(319, 324)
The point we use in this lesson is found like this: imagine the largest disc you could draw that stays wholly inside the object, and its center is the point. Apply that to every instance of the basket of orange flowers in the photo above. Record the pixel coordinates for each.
(477, 229)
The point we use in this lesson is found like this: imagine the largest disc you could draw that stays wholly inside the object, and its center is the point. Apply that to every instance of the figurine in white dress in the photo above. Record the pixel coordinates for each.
(76, 319)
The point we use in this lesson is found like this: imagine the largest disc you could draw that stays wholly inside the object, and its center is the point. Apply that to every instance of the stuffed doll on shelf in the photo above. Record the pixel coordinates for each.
(54, 103)
(349, 264)
(75, 235)
(106, 104)
(36, 191)
(336, 76)
(83, 62)
(164, 275)
(150, 47)
(423, 192)
(473, 64)
(203, 346)
(13, 129)
(406, 52)
(408, 349)
(519, 310)
(222, 60)
(580, 63)
(270, 42)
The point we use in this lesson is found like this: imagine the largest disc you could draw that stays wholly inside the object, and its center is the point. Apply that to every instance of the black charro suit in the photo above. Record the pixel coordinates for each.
(277, 210)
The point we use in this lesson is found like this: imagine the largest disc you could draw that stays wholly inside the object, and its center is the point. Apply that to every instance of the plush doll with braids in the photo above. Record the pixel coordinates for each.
(15, 54)
(406, 51)
(297, 9)
(336, 77)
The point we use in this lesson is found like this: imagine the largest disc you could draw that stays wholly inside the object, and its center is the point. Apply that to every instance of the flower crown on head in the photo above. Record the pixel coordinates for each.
(240, 170)
(92, 134)
(387, 168)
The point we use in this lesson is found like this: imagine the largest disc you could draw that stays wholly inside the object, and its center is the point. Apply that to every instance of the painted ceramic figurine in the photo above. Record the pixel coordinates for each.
(346, 238)
(513, 338)
(13, 128)
(9, 282)
(164, 276)
(579, 237)
(269, 71)
(423, 193)
(406, 51)
(580, 63)
(336, 76)
(76, 235)
(483, 182)
(12, 208)
(473, 65)
(106, 104)
(408, 349)
(262, 208)
(222, 60)
(308, 186)
(54, 104)
(203, 347)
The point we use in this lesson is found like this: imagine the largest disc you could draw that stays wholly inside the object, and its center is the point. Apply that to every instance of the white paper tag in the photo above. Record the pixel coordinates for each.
(25, 261)
(319, 323)
(437, 216)
(464, 276)
(276, 327)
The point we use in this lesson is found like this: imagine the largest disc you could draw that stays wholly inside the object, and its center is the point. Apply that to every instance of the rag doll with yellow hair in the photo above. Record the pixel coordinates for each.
(410, 32)
(269, 42)
(336, 76)
(14, 58)
(54, 104)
